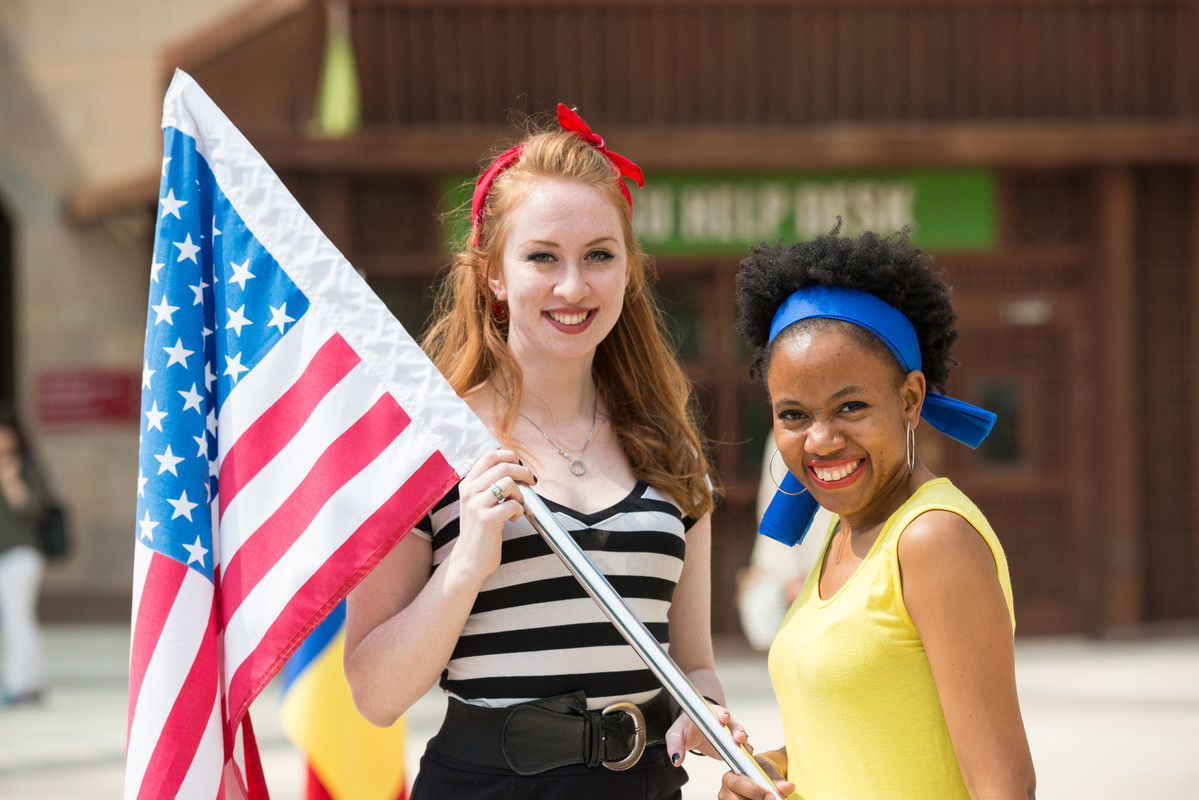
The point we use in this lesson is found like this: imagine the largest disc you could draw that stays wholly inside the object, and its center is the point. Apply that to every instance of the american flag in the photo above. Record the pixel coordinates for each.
(291, 433)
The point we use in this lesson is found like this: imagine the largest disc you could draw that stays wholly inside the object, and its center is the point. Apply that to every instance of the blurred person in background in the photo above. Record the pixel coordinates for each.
(895, 667)
(776, 572)
(23, 503)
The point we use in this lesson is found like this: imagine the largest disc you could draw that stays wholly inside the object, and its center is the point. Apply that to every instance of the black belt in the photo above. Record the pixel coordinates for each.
(531, 738)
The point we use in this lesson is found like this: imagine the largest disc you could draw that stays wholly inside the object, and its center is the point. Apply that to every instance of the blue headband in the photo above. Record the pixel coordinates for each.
(788, 516)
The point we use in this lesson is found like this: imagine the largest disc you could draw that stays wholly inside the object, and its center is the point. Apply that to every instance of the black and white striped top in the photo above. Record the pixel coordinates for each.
(534, 632)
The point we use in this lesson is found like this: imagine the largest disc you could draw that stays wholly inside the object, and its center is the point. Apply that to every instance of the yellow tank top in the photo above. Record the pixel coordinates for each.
(861, 715)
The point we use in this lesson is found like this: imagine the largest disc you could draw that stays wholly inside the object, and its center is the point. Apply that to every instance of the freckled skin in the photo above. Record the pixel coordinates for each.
(564, 257)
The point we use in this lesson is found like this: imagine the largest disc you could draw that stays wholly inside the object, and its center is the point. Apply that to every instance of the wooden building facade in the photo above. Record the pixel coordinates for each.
(1076, 283)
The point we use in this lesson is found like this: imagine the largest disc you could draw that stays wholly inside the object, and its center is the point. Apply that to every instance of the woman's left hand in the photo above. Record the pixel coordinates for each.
(685, 735)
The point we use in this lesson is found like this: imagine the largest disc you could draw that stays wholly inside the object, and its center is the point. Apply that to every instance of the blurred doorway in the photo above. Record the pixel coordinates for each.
(7, 308)
(1025, 359)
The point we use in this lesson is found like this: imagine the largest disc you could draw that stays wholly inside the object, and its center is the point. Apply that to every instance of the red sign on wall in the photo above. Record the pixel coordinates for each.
(87, 396)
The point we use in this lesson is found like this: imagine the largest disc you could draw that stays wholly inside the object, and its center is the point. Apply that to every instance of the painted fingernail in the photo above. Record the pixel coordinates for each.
(676, 758)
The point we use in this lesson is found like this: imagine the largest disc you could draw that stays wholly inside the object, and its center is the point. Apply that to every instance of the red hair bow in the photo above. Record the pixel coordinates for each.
(570, 121)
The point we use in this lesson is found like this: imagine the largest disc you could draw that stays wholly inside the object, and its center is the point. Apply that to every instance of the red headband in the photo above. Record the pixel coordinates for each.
(570, 121)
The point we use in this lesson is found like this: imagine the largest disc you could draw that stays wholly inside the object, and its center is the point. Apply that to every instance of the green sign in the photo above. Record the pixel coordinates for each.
(676, 214)
(683, 214)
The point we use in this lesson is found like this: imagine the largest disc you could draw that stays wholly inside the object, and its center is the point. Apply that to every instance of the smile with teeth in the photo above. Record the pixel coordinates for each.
(568, 319)
(833, 474)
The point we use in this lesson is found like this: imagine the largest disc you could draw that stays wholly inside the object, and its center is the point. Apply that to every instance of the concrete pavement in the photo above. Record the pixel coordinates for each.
(1106, 719)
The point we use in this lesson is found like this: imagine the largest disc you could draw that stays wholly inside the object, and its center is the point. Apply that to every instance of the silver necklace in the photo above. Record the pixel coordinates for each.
(577, 465)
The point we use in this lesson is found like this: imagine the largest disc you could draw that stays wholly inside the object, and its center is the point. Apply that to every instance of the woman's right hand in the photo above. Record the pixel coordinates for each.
(481, 517)
(735, 786)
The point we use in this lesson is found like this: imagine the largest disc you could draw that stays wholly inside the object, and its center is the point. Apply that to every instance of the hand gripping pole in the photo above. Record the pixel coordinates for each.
(641, 640)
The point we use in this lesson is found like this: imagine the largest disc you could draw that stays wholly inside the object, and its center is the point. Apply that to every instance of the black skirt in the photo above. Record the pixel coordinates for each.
(652, 778)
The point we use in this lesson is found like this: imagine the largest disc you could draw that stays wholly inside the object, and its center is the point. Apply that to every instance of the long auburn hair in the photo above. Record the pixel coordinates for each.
(642, 386)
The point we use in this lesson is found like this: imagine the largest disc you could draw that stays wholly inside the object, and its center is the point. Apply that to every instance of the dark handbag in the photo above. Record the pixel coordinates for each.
(56, 540)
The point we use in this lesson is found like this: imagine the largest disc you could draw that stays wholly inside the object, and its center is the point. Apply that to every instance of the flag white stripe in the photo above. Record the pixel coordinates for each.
(203, 777)
(261, 497)
(261, 387)
(345, 512)
(167, 670)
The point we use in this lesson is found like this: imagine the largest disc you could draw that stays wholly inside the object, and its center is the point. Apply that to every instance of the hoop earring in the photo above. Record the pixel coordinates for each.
(910, 439)
(776, 483)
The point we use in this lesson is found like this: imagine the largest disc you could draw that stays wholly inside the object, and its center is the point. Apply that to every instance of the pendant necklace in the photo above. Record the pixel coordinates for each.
(577, 465)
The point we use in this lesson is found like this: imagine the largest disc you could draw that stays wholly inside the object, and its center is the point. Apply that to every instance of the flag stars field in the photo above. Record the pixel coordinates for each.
(237, 320)
(192, 399)
(154, 417)
(234, 367)
(196, 552)
(164, 311)
(279, 317)
(199, 291)
(187, 250)
(241, 273)
(147, 526)
(178, 353)
(183, 507)
(170, 205)
(168, 462)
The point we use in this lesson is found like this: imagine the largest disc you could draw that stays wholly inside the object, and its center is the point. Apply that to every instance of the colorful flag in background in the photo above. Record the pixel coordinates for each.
(348, 757)
(292, 433)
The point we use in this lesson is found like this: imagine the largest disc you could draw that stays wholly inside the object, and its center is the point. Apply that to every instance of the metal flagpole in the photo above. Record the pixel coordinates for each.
(641, 640)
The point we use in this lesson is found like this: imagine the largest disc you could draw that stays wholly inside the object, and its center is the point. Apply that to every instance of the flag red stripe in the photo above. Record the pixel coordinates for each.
(163, 580)
(255, 776)
(186, 723)
(348, 455)
(276, 426)
(386, 526)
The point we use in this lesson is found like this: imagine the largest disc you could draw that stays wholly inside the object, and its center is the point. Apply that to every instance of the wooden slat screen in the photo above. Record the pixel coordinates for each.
(673, 62)
(1166, 361)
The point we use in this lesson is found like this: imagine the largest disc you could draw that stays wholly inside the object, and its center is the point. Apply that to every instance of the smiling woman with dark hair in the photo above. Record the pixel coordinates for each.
(895, 667)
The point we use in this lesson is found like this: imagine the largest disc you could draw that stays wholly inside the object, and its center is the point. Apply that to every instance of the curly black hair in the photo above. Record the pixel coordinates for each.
(885, 266)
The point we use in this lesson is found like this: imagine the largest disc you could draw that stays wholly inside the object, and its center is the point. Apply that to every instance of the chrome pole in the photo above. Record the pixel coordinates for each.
(641, 640)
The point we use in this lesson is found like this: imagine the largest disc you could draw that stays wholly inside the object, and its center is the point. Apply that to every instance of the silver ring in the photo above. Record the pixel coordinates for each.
(498, 492)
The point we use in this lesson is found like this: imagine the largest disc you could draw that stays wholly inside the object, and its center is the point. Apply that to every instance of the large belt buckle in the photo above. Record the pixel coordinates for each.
(638, 735)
